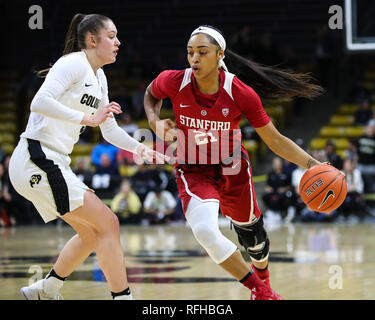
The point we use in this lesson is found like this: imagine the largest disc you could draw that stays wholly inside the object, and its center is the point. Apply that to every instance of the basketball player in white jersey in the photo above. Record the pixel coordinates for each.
(74, 95)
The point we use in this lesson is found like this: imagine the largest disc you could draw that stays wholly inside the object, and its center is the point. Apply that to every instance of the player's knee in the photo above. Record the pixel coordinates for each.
(254, 239)
(218, 247)
(115, 223)
(110, 226)
(205, 235)
(89, 237)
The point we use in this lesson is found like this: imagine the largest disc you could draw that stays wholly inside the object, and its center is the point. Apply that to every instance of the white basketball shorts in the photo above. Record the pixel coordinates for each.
(44, 177)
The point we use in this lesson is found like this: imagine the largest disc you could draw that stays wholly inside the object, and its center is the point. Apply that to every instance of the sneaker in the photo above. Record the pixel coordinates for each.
(264, 293)
(264, 276)
(124, 297)
(36, 292)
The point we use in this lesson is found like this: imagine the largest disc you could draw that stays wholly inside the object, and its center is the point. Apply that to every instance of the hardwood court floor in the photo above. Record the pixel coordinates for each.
(308, 261)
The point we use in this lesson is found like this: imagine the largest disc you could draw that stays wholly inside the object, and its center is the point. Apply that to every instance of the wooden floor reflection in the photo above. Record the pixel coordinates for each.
(308, 261)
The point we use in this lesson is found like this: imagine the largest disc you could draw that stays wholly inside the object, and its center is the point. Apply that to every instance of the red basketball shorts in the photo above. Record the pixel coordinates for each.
(235, 193)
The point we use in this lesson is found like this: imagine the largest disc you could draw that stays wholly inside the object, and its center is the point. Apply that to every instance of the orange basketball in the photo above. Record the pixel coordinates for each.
(323, 188)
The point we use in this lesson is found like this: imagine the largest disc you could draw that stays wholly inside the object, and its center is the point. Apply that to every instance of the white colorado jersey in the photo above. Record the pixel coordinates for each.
(70, 90)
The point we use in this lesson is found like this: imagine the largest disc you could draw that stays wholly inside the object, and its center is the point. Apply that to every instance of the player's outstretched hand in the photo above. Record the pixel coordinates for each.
(101, 115)
(149, 155)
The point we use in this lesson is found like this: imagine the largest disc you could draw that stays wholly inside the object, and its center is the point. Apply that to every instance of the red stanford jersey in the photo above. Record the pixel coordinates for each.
(208, 125)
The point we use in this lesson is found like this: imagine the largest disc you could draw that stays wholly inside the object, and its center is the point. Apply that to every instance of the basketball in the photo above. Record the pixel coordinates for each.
(323, 188)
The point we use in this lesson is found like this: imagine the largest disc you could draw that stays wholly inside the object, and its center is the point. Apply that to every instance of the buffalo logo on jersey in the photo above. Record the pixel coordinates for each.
(35, 179)
(90, 101)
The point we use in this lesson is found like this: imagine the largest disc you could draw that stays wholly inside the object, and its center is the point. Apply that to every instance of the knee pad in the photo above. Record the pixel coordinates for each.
(218, 247)
(203, 220)
(254, 239)
(205, 235)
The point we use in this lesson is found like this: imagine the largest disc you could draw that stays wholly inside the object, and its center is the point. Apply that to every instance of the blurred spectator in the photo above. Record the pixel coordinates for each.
(83, 172)
(2, 155)
(332, 156)
(143, 181)
(106, 179)
(352, 153)
(106, 166)
(354, 203)
(126, 204)
(161, 176)
(366, 157)
(2, 222)
(279, 194)
(15, 210)
(159, 205)
(103, 147)
(125, 157)
(137, 97)
(319, 155)
(363, 114)
(358, 93)
(248, 132)
(298, 203)
(289, 167)
(128, 125)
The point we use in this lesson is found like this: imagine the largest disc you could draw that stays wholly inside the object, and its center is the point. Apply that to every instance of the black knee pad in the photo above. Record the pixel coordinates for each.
(254, 239)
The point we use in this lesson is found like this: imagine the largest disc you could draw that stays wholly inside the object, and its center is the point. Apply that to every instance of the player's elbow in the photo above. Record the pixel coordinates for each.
(37, 103)
(40, 102)
(275, 143)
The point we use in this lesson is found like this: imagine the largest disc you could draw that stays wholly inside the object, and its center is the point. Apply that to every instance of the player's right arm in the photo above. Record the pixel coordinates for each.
(164, 129)
(165, 85)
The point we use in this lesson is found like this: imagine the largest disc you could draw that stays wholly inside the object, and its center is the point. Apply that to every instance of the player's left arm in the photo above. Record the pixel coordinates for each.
(285, 147)
(251, 107)
(120, 138)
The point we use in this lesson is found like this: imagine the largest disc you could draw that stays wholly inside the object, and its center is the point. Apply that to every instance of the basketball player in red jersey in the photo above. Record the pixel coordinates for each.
(212, 165)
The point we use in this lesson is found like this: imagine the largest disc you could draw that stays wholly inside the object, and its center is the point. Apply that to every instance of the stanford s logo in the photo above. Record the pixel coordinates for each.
(328, 194)
(225, 111)
(35, 179)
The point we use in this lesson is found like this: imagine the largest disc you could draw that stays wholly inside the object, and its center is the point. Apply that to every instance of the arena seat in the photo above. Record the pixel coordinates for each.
(8, 147)
(320, 143)
(341, 120)
(347, 109)
(350, 109)
(7, 105)
(7, 138)
(128, 171)
(341, 132)
(83, 149)
(8, 127)
(8, 116)
(76, 158)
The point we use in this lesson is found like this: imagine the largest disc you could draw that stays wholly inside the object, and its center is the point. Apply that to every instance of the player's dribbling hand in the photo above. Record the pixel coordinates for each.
(101, 115)
(165, 130)
(149, 155)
